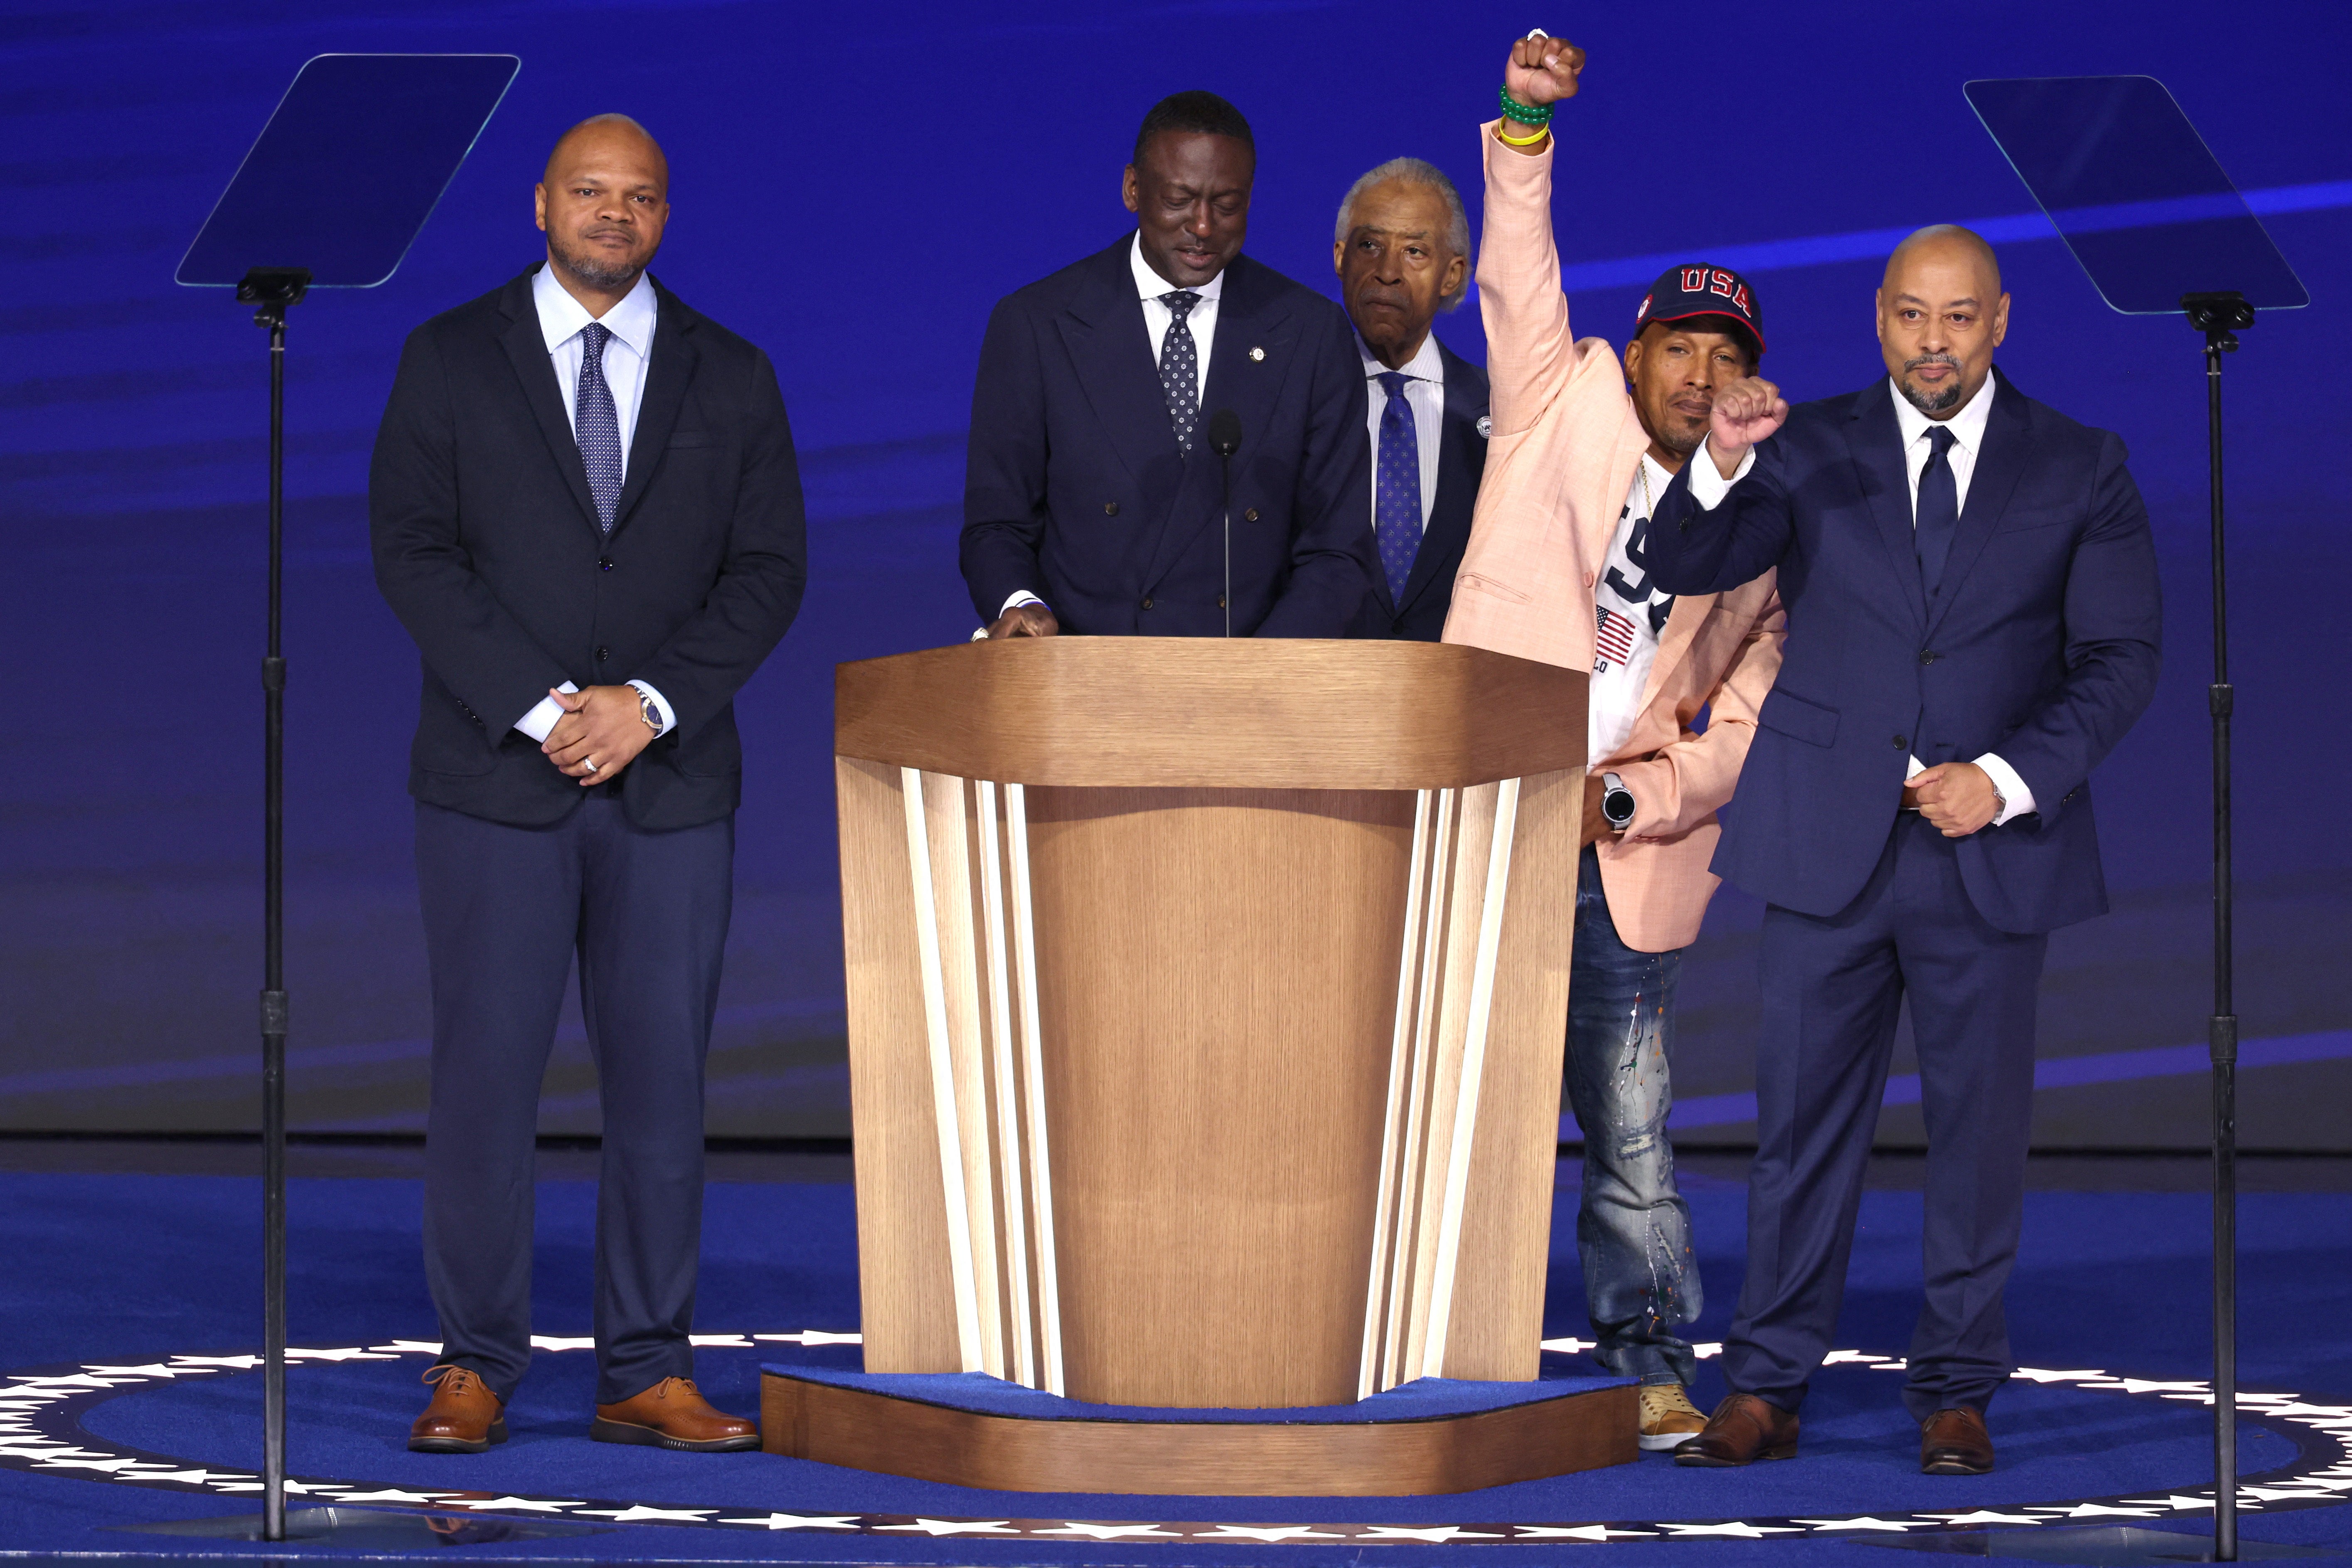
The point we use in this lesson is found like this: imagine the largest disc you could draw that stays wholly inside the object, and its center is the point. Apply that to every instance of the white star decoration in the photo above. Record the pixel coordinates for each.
(637, 1511)
(937, 1527)
(800, 1521)
(1113, 1531)
(1731, 1527)
(25, 1411)
(1267, 1532)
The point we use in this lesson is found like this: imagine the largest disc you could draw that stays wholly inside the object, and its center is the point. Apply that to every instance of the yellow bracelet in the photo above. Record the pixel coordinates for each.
(1508, 139)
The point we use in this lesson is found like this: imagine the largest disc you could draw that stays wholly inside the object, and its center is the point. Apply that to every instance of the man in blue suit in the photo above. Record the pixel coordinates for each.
(1093, 500)
(1973, 625)
(1402, 253)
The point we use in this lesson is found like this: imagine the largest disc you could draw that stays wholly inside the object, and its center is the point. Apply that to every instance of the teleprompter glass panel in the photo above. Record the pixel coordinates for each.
(2134, 191)
(348, 167)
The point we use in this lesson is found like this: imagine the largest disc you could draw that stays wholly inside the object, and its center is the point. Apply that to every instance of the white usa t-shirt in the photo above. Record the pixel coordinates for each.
(1628, 615)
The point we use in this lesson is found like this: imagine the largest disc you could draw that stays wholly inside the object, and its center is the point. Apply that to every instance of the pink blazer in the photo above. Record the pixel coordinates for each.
(1562, 451)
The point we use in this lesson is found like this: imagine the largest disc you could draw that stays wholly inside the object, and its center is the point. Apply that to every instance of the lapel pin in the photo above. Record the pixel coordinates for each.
(1257, 354)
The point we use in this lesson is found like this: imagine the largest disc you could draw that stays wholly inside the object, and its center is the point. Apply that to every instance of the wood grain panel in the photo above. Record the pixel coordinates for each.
(869, 1431)
(1497, 1325)
(1216, 985)
(907, 1291)
(1208, 712)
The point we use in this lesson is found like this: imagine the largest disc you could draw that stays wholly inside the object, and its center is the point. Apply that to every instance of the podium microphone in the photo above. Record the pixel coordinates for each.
(1225, 439)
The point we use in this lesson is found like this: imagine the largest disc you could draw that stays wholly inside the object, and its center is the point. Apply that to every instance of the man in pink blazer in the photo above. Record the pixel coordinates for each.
(1582, 445)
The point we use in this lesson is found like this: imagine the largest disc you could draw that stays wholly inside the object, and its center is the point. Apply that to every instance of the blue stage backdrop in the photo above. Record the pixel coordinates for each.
(853, 186)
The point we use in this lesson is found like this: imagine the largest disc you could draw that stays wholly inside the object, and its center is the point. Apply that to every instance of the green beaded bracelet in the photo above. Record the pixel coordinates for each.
(1524, 113)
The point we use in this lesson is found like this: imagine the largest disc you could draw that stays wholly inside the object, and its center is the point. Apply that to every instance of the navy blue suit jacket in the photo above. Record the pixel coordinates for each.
(2040, 645)
(487, 548)
(1461, 463)
(1075, 489)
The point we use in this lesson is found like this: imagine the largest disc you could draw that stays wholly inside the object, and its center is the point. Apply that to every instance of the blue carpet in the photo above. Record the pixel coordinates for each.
(133, 1271)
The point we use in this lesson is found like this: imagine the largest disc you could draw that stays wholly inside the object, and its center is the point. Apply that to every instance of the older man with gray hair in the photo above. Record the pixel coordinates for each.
(1401, 248)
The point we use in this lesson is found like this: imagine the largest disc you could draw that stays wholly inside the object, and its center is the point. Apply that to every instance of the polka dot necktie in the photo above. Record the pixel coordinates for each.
(1179, 367)
(596, 426)
(1937, 516)
(1396, 485)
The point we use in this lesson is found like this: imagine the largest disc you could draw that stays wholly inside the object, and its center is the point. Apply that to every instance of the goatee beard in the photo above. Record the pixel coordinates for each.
(592, 272)
(1930, 401)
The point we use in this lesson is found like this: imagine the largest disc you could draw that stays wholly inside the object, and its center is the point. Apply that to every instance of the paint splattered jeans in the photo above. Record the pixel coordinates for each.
(1632, 1229)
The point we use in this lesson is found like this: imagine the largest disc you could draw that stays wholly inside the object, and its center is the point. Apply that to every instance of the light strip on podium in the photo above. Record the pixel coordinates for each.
(1010, 1163)
(1369, 1381)
(943, 1095)
(1032, 1060)
(1474, 1059)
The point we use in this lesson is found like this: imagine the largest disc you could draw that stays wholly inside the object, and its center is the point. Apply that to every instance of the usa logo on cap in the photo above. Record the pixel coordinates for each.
(1681, 294)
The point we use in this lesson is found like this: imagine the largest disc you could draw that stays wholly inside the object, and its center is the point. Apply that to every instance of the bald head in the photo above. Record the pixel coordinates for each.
(1947, 243)
(1940, 315)
(604, 202)
(597, 128)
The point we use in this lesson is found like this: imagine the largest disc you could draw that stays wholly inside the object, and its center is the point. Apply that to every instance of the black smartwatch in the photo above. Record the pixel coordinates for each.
(1616, 802)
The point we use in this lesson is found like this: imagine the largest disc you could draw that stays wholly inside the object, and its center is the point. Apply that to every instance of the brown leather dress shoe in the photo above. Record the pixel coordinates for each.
(465, 1417)
(1743, 1429)
(1954, 1442)
(673, 1414)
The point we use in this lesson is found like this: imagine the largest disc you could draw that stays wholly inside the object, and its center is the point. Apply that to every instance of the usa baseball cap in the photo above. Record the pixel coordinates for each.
(1683, 292)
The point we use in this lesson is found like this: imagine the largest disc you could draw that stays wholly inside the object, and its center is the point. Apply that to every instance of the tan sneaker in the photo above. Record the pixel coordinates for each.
(1668, 1417)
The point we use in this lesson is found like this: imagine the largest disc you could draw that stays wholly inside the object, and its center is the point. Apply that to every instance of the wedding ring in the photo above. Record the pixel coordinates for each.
(588, 762)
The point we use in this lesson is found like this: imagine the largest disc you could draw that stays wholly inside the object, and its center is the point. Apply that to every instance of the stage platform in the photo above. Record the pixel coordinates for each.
(129, 1314)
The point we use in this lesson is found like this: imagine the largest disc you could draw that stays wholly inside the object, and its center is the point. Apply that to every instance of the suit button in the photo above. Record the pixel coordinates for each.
(1902, 743)
(604, 563)
(1928, 659)
(604, 653)
(1147, 604)
(1249, 514)
(1110, 509)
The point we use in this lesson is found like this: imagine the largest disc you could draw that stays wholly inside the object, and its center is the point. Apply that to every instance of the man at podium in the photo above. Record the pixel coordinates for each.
(1585, 446)
(1094, 501)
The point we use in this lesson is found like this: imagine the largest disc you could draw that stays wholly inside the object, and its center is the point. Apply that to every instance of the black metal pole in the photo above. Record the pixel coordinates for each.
(2217, 315)
(274, 291)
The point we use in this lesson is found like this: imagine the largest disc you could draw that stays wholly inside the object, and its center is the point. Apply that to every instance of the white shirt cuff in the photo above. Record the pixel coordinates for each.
(661, 705)
(1022, 596)
(543, 717)
(1707, 485)
(2016, 799)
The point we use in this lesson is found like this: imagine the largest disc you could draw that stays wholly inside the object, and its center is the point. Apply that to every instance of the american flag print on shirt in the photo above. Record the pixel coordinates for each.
(1613, 641)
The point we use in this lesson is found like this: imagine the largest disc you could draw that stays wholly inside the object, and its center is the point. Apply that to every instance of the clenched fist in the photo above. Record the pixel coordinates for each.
(1542, 71)
(1744, 413)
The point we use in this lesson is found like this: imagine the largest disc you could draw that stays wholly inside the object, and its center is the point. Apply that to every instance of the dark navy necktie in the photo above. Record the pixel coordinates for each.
(597, 426)
(1396, 485)
(1180, 373)
(1937, 516)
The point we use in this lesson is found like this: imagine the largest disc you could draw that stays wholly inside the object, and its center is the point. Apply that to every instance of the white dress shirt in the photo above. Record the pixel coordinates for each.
(1709, 487)
(1156, 318)
(1630, 614)
(628, 352)
(1425, 395)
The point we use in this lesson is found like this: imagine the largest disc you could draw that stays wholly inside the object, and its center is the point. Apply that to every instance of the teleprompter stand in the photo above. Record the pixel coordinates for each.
(2146, 209)
(343, 177)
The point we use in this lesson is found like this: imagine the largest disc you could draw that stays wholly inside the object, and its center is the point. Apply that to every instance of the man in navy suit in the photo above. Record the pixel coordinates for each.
(1973, 625)
(1093, 502)
(585, 509)
(1402, 253)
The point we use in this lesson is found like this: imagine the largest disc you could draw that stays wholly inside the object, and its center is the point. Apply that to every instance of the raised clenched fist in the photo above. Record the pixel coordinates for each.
(1542, 71)
(1744, 413)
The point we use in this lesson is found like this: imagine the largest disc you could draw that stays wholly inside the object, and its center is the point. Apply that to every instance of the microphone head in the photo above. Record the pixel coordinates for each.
(1225, 432)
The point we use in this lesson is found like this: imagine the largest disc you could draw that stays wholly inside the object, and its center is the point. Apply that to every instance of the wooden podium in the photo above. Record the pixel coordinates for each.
(1206, 1008)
